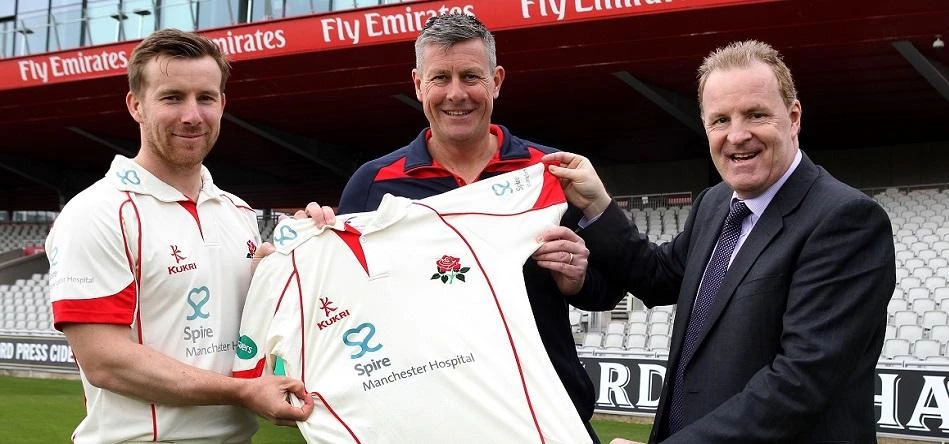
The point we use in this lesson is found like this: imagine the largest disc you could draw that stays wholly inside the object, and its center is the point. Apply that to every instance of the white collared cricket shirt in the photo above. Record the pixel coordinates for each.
(131, 250)
(411, 324)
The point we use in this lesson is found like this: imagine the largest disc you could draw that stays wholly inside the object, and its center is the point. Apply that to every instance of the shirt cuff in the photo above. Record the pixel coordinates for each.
(584, 222)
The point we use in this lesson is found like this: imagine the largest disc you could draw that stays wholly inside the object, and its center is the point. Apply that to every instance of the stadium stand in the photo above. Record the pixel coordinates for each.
(24, 301)
(917, 316)
(21, 235)
(25, 305)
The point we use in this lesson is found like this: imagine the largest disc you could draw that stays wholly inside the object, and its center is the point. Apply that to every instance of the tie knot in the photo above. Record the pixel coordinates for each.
(738, 212)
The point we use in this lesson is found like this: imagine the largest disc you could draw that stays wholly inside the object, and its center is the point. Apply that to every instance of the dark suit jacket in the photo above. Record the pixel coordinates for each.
(789, 349)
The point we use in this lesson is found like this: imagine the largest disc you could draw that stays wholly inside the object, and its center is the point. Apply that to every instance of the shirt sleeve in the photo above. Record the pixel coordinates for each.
(258, 344)
(93, 262)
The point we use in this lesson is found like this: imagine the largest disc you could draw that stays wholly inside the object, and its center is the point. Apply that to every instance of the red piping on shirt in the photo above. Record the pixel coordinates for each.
(333, 412)
(137, 271)
(507, 330)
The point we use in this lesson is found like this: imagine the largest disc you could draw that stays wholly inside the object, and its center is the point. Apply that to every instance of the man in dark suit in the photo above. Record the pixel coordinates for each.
(781, 275)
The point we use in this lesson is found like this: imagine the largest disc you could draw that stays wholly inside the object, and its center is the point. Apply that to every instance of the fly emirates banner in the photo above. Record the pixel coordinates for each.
(327, 31)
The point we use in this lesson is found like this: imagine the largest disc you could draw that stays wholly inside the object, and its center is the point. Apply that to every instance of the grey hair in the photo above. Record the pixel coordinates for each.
(447, 30)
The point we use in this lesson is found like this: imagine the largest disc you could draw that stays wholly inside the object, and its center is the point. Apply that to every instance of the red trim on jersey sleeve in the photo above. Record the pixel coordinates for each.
(255, 372)
(551, 194)
(333, 412)
(192, 208)
(351, 238)
(114, 309)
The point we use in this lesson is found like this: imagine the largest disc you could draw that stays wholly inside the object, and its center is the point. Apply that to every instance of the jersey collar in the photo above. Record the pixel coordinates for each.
(419, 160)
(127, 175)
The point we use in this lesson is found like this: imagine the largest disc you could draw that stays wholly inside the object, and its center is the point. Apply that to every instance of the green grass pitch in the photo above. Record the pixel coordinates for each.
(47, 411)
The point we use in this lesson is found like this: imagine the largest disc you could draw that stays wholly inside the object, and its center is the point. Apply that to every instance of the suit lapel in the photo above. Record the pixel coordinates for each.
(768, 226)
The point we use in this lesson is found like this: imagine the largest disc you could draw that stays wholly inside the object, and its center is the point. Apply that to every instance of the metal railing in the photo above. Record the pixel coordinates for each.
(643, 201)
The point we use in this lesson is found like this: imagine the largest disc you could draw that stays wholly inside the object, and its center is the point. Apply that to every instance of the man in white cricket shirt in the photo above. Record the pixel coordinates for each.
(149, 268)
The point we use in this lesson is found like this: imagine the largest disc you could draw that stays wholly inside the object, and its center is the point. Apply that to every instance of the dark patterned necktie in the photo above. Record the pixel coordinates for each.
(711, 281)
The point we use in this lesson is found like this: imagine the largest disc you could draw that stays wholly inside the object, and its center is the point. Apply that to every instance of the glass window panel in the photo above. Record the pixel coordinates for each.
(141, 20)
(7, 37)
(263, 9)
(67, 15)
(217, 13)
(103, 28)
(293, 8)
(178, 14)
(31, 5)
(321, 5)
(339, 5)
(7, 9)
(31, 32)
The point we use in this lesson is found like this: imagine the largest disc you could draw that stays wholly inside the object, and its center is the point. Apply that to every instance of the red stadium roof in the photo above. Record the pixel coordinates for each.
(306, 105)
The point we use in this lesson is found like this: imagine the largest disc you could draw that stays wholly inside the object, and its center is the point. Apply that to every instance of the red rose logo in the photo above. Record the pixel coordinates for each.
(449, 268)
(448, 263)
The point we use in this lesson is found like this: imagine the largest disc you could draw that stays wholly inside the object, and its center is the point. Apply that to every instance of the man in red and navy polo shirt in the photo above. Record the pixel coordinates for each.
(457, 79)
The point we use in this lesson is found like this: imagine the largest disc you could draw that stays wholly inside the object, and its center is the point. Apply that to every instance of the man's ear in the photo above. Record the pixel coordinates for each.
(794, 113)
(498, 79)
(417, 81)
(134, 106)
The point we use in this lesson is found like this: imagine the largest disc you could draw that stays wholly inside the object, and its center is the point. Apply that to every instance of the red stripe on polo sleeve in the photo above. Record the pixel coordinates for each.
(255, 372)
(117, 309)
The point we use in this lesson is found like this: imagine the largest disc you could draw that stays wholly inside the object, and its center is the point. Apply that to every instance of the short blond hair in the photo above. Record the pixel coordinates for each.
(742, 55)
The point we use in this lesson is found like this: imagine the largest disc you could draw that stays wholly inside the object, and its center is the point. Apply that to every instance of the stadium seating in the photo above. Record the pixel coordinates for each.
(19, 235)
(24, 304)
(917, 315)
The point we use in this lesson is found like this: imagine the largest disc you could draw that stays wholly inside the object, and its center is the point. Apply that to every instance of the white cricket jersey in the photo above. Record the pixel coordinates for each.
(130, 250)
(411, 324)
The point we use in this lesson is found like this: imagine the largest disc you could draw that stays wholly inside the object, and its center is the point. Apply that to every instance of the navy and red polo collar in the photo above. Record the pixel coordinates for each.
(509, 148)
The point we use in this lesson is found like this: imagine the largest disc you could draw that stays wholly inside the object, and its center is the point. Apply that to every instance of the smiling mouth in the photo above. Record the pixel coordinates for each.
(189, 136)
(740, 157)
(457, 113)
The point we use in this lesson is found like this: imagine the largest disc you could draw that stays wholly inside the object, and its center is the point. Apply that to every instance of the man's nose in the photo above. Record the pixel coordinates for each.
(738, 132)
(456, 90)
(190, 113)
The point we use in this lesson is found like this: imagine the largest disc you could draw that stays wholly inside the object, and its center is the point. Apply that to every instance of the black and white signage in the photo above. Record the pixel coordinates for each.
(912, 403)
(908, 402)
(36, 353)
